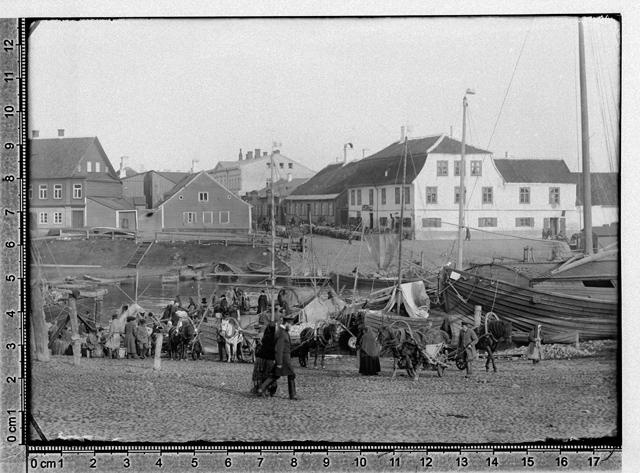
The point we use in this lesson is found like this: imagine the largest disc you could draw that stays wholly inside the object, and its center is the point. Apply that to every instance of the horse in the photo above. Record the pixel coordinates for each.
(316, 339)
(405, 348)
(179, 338)
(230, 331)
(497, 331)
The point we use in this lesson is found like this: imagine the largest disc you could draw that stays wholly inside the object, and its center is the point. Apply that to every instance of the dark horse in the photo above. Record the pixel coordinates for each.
(498, 333)
(318, 340)
(179, 339)
(404, 347)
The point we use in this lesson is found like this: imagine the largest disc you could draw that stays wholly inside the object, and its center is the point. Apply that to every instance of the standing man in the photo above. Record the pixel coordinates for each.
(467, 234)
(467, 345)
(283, 359)
(263, 302)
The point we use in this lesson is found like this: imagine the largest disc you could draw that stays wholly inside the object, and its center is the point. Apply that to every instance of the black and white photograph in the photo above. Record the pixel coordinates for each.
(357, 230)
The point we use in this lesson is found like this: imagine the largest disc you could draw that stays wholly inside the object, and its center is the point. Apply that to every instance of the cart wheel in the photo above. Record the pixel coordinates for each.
(440, 370)
(461, 364)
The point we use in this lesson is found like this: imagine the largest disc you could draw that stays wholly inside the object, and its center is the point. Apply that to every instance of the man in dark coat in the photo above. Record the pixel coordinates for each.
(283, 359)
(263, 302)
(467, 345)
(224, 305)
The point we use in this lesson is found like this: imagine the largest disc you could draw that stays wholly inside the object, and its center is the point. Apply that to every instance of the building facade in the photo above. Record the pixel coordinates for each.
(200, 204)
(253, 171)
(503, 196)
(65, 173)
(261, 202)
(152, 186)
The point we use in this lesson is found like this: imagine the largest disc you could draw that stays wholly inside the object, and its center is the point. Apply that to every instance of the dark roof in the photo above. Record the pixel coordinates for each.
(177, 188)
(114, 203)
(604, 188)
(419, 146)
(56, 158)
(534, 170)
(283, 187)
(327, 181)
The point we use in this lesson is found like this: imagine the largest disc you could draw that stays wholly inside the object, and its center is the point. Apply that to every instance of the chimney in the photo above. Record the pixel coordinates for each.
(60, 132)
(402, 133)
(257, 153)
(240, 155)
(121, 172)
(35, 133)
(249, 154)
(506, 154)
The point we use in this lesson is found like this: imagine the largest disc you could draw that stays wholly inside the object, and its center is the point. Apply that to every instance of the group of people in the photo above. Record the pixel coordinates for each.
(136, 335)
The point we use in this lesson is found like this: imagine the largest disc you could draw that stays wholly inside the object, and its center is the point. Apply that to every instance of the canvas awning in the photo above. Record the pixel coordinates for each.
(413, 296)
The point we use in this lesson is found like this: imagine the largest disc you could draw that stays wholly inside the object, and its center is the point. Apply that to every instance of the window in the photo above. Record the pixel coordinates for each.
(43, 217)
(281, 165)
(188, 218)
(487, 222)
(203, 197)
(290, 165)
(30, 192)
(476, 168)
(383, 196)
(353, 197)
(397, 196)
(316, 208)
(456, 168)
(443, 168)
(487, 195)
(432, 195)
(207, 217)
(77, 191)
(330, 208)
(370, 196)
(124, 223)
(431, 222)
(224, 216)
(383, 221)
(42, 191)
(456, 197)
(325, 208)
(359, 194)
(406, 222)
(57, 192)
(525, 195)
(407, 195)
(88, 166)
(57, 218)
(98, 166)
(554, 195)
(524, 222)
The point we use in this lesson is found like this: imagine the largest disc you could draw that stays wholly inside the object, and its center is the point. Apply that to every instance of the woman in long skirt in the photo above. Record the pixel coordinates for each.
(265, 360)
(130, 337)
(369, 354)
(113, 337)
(535, 344)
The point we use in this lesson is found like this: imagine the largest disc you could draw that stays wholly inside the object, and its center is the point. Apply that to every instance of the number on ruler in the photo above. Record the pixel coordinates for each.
(8, 76)
(8, 45)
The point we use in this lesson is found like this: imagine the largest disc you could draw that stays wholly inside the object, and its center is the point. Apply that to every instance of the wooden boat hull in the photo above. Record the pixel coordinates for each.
(562, 316)
(346, 281)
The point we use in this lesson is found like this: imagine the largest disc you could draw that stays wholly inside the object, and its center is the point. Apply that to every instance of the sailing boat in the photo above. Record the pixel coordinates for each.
(573, 300)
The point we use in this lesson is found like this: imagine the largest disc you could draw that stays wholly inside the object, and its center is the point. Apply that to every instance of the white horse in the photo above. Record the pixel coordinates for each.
(230, 331)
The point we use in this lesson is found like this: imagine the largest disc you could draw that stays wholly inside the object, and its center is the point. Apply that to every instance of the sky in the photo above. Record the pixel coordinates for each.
(165, 92)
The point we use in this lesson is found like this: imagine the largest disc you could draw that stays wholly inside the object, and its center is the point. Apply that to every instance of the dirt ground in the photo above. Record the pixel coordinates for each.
(208, 400)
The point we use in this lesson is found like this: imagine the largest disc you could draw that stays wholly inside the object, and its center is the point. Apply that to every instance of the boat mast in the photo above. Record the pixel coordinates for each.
(402, 200)
(273, 245)
(586, 166)
(462, 195)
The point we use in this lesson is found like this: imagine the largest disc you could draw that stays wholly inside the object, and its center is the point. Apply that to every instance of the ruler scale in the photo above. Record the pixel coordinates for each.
(21, 451)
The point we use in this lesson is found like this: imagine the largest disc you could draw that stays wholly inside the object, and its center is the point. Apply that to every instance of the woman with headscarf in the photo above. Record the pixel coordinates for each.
(130, 337)
(113, 337)
(369, 353)
(535, 344)
(265, 360)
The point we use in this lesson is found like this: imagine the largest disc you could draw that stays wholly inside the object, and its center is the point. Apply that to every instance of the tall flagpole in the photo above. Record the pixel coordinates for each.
(402, 200)
(462, 194)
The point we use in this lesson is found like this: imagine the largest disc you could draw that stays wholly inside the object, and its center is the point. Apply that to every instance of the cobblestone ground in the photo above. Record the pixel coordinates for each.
(208, 400)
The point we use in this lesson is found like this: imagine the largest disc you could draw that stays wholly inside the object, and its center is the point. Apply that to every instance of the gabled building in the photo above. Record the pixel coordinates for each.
(151, 186)
(199, 203)
(503, 196)
(254, 171)
(69, 178)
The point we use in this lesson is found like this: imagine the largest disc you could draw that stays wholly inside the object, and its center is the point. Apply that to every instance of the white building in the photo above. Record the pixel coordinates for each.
(254, 171)
(504, 196)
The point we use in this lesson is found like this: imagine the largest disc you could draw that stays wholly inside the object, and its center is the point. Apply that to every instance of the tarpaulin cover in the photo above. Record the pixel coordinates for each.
(413, 296)
(321, 307)
(382, 247)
